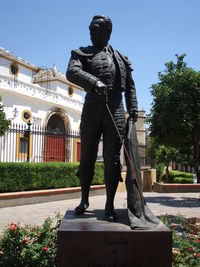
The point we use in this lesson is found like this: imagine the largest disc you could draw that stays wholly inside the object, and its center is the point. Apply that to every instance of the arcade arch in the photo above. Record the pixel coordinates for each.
(57, 144)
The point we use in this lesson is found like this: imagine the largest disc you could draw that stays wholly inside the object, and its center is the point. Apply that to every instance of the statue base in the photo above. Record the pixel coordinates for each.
(89, 241)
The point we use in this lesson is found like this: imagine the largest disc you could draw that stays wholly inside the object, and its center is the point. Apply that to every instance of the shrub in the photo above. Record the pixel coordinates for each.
(181, 174)
(35, 176)
(30, 246)
(179, 177)
(186, 243)
(183, 180)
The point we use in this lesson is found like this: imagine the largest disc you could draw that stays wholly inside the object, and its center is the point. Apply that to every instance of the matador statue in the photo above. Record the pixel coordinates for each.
(105, 74)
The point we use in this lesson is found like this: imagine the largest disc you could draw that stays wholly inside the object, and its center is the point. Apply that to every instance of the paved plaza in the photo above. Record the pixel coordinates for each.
(187, 204)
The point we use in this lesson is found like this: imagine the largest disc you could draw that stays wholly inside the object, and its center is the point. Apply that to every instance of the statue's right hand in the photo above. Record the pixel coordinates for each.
(100, 88)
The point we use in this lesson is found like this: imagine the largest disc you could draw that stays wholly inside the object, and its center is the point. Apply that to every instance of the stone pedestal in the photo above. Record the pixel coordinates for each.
(89, 241)
(148, 179)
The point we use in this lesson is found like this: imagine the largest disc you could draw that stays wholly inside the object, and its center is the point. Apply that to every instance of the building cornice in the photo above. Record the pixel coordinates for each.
(140, 130)
(141, 117)
(14, 86)
(15, 59)
(10, 56)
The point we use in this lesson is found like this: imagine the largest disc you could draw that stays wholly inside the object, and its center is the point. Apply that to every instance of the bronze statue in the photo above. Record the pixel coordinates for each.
(104, 73)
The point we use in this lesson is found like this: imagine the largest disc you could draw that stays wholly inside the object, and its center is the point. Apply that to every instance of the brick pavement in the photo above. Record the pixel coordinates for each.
(187, 204)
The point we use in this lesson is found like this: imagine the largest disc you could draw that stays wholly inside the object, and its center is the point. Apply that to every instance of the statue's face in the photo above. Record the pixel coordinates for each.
(99, 35)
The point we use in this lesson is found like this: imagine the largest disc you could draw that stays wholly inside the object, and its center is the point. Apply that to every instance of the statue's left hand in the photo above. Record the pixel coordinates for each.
(133, 115)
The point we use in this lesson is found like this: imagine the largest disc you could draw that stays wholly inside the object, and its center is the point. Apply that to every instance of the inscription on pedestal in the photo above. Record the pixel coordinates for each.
(122, 241)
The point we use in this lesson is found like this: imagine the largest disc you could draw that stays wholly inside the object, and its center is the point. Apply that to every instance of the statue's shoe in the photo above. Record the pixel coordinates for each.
(110, 216)
(80, 209)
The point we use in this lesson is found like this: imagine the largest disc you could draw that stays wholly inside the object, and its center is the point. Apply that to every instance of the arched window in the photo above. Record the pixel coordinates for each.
(56, 125)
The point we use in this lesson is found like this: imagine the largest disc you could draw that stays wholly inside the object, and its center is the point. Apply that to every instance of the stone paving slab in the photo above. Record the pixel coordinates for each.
(187, 204)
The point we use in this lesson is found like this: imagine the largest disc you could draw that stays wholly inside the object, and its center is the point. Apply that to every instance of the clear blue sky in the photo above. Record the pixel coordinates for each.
(149, 32)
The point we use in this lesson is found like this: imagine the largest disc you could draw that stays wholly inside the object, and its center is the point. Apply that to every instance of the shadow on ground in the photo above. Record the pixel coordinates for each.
(182, 202)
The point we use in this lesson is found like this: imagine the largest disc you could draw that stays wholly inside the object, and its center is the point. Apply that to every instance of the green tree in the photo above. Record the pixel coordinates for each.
(165, 155)
(161, 154)
(152, 147)
(175, 113)
(4, 123)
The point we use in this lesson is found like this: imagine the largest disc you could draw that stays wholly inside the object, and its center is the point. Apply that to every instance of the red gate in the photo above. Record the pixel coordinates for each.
(54, 148)
(78, 151)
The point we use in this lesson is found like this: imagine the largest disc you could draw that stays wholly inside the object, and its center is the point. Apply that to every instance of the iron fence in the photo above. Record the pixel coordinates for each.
(32, 143)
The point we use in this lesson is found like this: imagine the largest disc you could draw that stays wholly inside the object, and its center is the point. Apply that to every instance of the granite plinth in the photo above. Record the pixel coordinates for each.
(89, 241)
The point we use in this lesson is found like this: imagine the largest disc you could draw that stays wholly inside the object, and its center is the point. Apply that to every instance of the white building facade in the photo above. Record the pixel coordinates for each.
(46, 99)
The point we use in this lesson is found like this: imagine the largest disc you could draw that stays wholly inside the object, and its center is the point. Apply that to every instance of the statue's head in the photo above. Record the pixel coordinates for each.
(100, 30)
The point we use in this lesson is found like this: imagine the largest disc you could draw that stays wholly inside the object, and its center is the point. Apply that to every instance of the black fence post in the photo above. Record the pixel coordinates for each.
(28, 137)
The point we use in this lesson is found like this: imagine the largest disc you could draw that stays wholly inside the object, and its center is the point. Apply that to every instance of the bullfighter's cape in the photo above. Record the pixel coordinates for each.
(140, 216)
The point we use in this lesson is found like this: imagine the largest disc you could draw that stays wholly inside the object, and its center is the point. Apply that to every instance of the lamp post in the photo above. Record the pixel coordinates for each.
(14, 113)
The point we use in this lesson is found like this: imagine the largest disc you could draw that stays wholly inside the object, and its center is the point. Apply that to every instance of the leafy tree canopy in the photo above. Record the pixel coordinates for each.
(175, 113)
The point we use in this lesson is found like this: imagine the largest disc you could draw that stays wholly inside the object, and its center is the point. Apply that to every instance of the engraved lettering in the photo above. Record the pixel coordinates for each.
(121, 241)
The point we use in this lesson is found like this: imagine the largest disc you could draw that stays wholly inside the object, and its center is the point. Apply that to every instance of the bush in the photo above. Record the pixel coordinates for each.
(30, 246)
(182, 180)
(179, 177)
(186, 242)
(35, 176)
(187, 175)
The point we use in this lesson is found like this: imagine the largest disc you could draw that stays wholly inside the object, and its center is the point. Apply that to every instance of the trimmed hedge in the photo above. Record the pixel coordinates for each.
(178, 177)
(183, 180)
(173, 174)
(15, 177)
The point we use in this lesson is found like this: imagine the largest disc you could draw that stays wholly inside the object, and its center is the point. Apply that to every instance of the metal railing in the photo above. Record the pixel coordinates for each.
(34, 144)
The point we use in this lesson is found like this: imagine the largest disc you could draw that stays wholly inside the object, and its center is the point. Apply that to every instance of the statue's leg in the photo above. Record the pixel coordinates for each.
(90, 137)
(112, 167)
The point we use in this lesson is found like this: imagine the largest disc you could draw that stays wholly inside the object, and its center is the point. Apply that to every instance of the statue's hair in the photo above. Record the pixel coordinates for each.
(103, 20)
